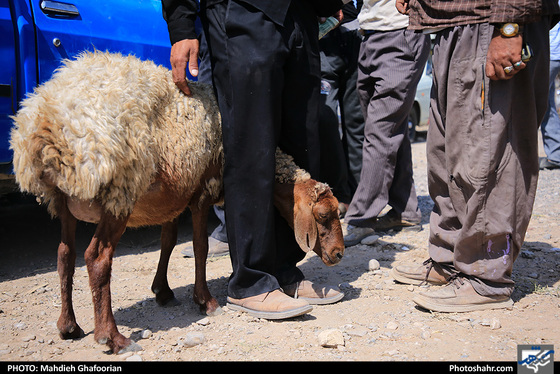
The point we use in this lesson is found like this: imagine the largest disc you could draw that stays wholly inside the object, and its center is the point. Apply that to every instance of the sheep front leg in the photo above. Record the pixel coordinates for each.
(160, 286)
(99, 259)
(66, 263)
(208, 304)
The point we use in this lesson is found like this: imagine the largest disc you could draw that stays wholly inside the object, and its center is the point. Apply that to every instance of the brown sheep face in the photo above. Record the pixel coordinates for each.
(316, 221)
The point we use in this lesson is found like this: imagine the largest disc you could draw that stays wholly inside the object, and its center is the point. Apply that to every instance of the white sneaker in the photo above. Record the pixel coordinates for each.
(356, 234)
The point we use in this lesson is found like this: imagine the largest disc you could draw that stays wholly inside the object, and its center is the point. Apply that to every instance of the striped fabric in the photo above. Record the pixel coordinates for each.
(438, 13)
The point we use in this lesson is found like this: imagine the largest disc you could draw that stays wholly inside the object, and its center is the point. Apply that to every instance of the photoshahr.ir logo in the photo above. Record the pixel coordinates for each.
(535, 359)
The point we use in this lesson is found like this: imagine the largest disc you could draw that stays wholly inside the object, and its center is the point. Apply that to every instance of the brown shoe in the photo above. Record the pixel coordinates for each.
(459, 296)
(393, 221)
(429, 272)
(270, 305)
(313, 294)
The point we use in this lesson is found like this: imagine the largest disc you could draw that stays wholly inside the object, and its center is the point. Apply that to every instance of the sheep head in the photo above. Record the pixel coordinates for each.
(312, 211)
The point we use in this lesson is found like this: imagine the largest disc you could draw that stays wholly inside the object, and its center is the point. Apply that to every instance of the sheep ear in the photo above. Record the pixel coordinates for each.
(305, 228)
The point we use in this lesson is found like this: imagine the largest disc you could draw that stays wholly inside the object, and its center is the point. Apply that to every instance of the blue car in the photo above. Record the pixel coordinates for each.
(38, 34)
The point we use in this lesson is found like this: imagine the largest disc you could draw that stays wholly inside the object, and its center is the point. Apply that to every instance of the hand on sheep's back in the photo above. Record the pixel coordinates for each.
(184, 53)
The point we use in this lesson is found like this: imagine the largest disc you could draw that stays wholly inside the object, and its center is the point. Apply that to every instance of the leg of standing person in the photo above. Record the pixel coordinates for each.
(334, 171)
(550, 127)
(391, 63)
(257, 67)
(482, 166)
(352, 119)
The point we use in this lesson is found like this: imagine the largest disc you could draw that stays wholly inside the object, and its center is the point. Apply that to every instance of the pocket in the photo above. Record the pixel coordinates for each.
(469, 121)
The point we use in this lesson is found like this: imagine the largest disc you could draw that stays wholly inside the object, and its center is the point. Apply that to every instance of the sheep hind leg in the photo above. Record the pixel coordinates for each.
(160, 286)
(208, 304)
(99, 259)
(66, 263)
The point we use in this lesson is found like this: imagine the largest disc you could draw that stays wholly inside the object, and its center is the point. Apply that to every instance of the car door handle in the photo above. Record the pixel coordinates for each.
(58, 8)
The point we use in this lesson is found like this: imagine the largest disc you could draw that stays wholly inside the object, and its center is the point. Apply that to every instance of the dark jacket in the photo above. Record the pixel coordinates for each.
(181, 14)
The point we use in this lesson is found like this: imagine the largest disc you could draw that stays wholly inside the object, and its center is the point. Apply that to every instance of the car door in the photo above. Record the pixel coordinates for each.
(38, 34)
(66, 28)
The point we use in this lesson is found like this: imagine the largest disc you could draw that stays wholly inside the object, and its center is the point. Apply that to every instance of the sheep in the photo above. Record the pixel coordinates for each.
(110, 139)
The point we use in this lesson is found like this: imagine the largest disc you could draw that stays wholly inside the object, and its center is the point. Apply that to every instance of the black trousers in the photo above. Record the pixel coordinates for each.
(341, 159)
(267, 81)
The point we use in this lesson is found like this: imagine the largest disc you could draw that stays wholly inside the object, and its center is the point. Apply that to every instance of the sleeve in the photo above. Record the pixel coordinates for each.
(520, 11)
(180, 16)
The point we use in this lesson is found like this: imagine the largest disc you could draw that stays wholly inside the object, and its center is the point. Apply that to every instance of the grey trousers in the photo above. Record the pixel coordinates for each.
(482, 154)
(390, 66)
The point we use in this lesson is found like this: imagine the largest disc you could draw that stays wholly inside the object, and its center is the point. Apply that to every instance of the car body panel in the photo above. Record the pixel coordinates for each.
(38, 34)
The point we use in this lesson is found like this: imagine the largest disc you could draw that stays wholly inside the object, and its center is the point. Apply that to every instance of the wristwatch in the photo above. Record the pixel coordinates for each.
(509, 29)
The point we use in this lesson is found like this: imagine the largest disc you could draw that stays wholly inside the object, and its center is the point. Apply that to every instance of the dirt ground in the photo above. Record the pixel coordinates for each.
(377, 319)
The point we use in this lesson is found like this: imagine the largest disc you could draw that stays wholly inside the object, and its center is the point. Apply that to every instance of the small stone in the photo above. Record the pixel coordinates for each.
(20, 326)
(29, 338)
(146, 334)
(495, 324)
(357, 332)
(192, 339)
(426, 335)
(373, 264)
(331, 338)
(527, 254)
(392, 352)
(134, 358)
(370, 240)
(204, 321)
(392, 325)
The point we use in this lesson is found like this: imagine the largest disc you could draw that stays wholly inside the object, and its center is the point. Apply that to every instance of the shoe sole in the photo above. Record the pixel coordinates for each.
(323, 300)
(415, 228)
(428, 304)
(272, 315)
(415, 282)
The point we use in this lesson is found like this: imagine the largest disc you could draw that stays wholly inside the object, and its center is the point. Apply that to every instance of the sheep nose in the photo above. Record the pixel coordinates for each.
(339, 255)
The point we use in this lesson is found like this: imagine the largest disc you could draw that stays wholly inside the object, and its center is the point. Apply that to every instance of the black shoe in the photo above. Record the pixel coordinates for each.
(545, 163)
(393, 221)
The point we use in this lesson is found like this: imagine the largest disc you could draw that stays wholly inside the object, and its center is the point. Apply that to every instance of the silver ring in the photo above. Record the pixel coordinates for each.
(508, 69)
(517, 64)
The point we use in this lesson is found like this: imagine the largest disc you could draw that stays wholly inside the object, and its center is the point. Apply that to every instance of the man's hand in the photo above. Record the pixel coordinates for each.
(402, 6)
(503, 59)
(183, 53)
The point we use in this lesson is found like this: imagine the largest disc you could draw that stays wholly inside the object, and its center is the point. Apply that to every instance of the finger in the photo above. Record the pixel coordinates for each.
(490, 71)
(180, 78)
(183, 86)
(402, 7)
(506, 72)
(193, 63)
(519, 65)
(339, 16)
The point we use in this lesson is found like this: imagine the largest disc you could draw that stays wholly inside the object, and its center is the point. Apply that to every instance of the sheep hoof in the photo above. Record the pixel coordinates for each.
(132, 347)
(72, 332)
(165, 297)
(211, 308)
(216, 312)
